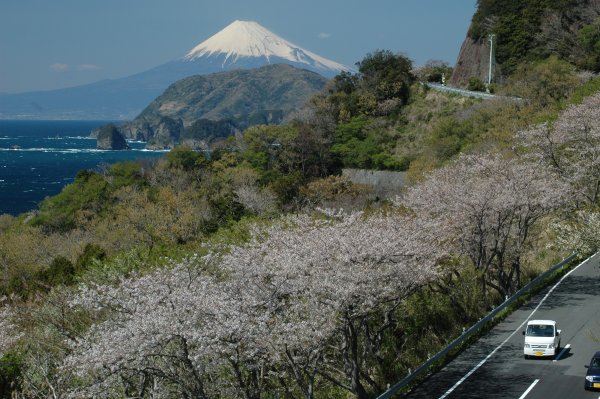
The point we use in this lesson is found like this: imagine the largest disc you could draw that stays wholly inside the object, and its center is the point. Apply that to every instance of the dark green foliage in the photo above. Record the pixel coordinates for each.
(128, 173)
(91, 253)
(544, 82)
(589, 39)
(87, 194)
(226, 210)
(435, 71)
(295, 147)
(526, 30)
(60, 272)
(380, 88)
(449, 137)
(345, 82)
(287, 187)
(10, 372)
(184, 158)
(386, 74)
(475, 84)
(19, 285)
(358, 145)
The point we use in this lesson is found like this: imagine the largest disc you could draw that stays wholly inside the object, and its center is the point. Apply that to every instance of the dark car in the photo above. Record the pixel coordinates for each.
(592, 377)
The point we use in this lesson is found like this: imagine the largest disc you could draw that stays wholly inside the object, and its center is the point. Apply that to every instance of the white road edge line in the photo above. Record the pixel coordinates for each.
(529, 389)
(481, 363)
(562, 352)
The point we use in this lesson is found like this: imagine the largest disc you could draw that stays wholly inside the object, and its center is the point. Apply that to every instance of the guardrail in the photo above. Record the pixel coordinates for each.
(456, 90)
(472, 330)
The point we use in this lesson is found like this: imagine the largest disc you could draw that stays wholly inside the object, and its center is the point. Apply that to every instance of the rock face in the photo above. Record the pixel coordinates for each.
(473, 61)
(159, 129)
(109, 138)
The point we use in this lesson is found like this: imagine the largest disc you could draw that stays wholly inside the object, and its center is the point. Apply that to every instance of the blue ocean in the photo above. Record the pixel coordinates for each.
(38, 158)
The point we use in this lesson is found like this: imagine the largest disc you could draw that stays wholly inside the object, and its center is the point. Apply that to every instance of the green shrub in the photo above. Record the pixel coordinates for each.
(184, 158)
(10, 372)
(87, 196)
(91, 253)
(60, 272)
(475, 84)
(589, 40)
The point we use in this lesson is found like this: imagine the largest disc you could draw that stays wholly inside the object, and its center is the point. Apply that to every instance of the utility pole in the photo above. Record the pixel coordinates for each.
(491, 38)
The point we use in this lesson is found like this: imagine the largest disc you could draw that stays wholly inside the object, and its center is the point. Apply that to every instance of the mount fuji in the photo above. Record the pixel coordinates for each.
(240, 45)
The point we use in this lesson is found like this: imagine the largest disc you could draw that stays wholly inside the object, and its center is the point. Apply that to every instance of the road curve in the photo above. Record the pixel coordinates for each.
(494, 366)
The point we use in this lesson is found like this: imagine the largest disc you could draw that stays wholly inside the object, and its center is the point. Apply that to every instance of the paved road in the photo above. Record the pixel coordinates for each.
(494, 366)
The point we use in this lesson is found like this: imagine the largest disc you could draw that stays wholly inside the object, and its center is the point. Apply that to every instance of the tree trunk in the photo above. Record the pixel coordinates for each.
(351, 363)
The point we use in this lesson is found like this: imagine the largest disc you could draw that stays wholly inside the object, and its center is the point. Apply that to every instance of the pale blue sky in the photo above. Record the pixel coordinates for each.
(49, 44)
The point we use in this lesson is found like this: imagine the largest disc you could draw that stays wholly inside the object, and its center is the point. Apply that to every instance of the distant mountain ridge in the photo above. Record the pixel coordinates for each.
(241, 45)
(242, 97)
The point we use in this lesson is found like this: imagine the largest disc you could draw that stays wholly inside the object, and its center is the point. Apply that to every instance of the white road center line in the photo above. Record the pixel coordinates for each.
(562, 352)
(529, 389)
(481, 363)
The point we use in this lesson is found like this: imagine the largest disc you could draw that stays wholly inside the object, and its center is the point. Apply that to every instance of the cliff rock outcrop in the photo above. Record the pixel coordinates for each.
(109, 138)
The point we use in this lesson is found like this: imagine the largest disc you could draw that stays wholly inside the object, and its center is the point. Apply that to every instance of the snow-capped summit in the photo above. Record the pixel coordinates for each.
(241, 45)
(244, 40)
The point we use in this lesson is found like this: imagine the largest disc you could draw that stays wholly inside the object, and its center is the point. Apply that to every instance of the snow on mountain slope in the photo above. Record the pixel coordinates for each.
(241, 45)
(250, 39)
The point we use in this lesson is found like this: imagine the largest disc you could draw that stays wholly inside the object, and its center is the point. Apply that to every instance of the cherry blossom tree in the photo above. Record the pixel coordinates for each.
(571, 146)
(323, 281)
(156, 336)
(305, 298)
(581, 234)
(483, 207)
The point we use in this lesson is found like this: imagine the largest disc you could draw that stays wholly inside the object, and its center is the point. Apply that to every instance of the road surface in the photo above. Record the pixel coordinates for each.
(494, 367)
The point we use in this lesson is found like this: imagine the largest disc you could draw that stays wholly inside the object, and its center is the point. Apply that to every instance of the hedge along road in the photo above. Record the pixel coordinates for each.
(494, 367)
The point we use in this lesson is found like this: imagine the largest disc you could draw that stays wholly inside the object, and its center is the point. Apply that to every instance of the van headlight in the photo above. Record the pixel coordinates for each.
(527, 346)
(551, 346)
(590, 378)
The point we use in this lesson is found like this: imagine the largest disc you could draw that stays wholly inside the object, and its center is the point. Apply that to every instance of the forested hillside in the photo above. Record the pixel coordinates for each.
(261, 272)
(527, 31)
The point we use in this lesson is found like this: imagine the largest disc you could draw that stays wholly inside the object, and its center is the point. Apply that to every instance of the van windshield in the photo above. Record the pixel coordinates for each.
(540, 330)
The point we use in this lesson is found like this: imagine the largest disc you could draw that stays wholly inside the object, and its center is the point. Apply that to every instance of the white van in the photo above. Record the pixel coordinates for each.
(542, 338)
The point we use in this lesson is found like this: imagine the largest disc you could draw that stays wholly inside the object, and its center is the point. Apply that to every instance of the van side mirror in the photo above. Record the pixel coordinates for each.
(558, 332)
(586, 366)
(523, 332)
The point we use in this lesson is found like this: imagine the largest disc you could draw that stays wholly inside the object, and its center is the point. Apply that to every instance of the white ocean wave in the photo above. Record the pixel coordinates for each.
(147, 150)
(78, 150)
(70, 138)
(56, 150)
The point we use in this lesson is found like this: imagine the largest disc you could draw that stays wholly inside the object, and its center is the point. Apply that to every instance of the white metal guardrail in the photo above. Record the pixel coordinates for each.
(472, 330)
(456, 90)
